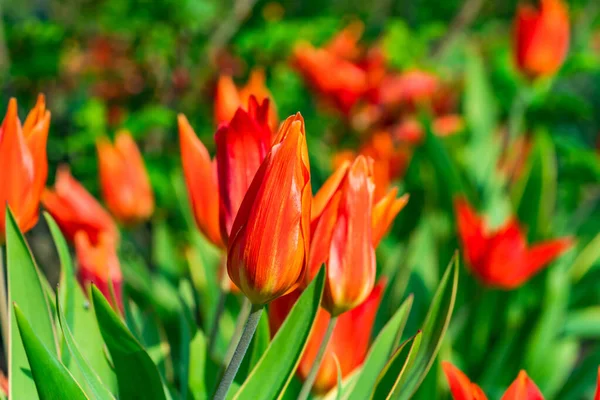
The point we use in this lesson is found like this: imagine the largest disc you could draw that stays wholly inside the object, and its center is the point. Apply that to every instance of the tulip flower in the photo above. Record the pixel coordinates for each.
(523, 388)
(201, 182)
(75, 209)
(228, 98)
(502, 258)
(541, 38)
(242, 145)
(269, 240)
(123, 179)
(99, 264)
(349, 342)
(343, 236)
(24, 164)
(384, 212)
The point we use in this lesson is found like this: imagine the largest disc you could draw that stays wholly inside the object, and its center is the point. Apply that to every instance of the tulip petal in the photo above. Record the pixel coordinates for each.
(241, 147)
(541, 254)
(523, 388)
(384, 213)
(331, 185)
(460, 385)
(200, 182)
(227, 99)
(471, 230)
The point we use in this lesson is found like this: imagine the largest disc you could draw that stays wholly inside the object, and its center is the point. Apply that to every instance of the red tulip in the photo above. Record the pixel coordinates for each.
(24, 164)
(269, 240)
(523, 388)
(201, 182)
(124, 181)
(228, 98)
(343, 236)
(99, 264)
(75, 209)
(502, 258)
(541, 38)
(349, 341)
(242, 145)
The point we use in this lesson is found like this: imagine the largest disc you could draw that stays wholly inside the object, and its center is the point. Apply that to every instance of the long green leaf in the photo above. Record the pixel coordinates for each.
(272, 374)
(382, 348)
(94, 387)
(137, 376)
(78, 316)
(52, 379)
(435, 326)
(25, 289)
(391, 377)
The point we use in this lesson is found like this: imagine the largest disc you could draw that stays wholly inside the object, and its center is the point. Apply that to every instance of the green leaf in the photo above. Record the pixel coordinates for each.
(197, 369)
(78, 317)
(586, 259)
(382, 348)
(274, 371)
(25, 289)
(390, 378)
(583, 324)
(52, 379)
(94, 387)
(534, 195)
(435, 326)
(137, 376)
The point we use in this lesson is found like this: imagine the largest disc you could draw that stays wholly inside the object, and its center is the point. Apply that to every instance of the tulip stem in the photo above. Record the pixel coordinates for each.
(3, 302)
(239, 328)
(240, 351)
(312, 375)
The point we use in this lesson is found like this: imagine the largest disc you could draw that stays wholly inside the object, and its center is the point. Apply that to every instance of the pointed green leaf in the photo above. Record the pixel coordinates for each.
(52, 379)
(390, 378)
(435, 326)
(78, 316)
(137, 376)
(258, 346)
(382, 348)
(93, 387)
(279, 362)
(25, 289)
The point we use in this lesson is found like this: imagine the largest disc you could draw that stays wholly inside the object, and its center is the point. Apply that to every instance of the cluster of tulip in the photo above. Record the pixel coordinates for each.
(254, 200)
(125, 189)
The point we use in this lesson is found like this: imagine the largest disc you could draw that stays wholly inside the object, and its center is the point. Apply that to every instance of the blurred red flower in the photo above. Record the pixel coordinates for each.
(541, 38)
(502, 258)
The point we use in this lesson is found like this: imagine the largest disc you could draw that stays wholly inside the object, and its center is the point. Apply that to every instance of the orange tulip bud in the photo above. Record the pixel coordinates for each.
(502, 258)
(541, 38)
(99, 264)
(349, 341)
(24, 164)
(342, 236)
(268, 245)
(124, 181)
(75, 209)
(201, 182)
(242, 145)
